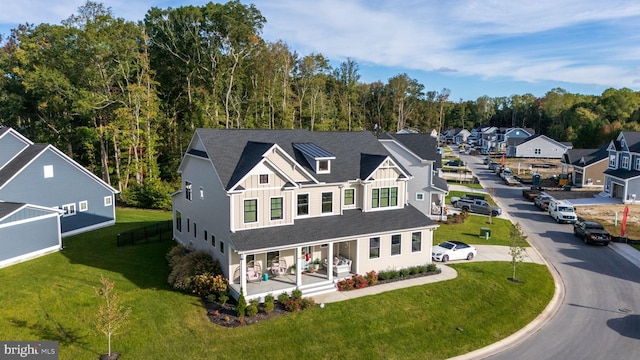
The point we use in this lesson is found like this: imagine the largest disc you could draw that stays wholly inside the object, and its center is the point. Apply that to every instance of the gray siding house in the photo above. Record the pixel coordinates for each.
(268, 204)
(622, 177)
(27, 231)
(537, 146)
(418, 153)
(39, 175)
(588, 166)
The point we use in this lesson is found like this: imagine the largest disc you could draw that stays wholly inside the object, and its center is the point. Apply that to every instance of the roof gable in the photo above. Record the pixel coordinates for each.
(231, 156)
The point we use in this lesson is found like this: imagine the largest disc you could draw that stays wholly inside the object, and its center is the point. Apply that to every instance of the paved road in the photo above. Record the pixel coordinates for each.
(598, 315)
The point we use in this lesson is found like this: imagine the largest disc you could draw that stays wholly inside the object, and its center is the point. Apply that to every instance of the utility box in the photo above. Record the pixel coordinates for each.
(485, 233)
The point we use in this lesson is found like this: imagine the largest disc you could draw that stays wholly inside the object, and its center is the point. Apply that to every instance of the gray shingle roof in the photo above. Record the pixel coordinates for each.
(423, 145)
(633, 140)
(623, 173)
(20, 161)
(7, 208)
(232, 151)
(353, 223)
(590, 156)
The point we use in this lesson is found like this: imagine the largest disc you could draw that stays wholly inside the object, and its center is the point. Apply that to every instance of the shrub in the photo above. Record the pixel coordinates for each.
(293, 305)
(359, 281)
(405, 272)
(283, 298)
(252, 309)
(223, 298)
(372, 278)
(241, 306)
(346, 284)
(186, 264)
(388, 274)
(211, 298)
(268, 305)
(432, 267)
(296, 294)
(205, 284)
(306, 303)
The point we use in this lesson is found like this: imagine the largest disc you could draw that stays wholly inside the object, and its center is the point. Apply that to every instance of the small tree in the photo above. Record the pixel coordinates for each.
(516, 249)
(111, 315)
(492, 192)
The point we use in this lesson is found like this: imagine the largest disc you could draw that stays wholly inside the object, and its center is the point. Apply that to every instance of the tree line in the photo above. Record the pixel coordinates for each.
(123, 98)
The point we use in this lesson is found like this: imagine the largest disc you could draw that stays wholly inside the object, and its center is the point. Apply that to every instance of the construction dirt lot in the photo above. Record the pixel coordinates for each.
(604, 214)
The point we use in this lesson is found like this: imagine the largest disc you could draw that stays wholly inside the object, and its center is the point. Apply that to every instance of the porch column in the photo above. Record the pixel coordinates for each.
(330, 262)
(298, 256)
(243, 273)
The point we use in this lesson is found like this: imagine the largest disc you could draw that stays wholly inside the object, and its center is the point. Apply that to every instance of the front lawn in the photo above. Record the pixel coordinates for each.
(469, 231)
(53, 298)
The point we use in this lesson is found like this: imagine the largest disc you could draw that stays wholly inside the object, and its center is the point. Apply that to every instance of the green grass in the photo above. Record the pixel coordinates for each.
(53, 298)
(470, 186)
(469, 231)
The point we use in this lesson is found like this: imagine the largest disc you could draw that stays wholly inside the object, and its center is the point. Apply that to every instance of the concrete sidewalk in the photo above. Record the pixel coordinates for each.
(627, 251)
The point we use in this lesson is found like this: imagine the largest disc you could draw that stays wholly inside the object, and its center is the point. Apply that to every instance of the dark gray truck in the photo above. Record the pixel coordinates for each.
(591, 232)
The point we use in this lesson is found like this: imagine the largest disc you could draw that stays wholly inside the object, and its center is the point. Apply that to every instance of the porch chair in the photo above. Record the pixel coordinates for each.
(278, 267)
(254, 272)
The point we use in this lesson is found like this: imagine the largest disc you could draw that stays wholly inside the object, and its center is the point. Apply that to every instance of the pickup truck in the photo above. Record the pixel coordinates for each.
(466, 198)
(478, 206)
(591, 232)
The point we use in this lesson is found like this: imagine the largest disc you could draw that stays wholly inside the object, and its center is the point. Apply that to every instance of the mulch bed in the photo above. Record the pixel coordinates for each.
(225, 315)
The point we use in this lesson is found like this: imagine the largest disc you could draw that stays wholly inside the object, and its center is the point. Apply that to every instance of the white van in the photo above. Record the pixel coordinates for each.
(562, 211)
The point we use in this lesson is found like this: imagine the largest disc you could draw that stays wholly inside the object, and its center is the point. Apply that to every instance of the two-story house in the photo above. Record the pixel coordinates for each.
(587, 166)
(418, 153)
(622, 177)
(268, 203)
(44, 188)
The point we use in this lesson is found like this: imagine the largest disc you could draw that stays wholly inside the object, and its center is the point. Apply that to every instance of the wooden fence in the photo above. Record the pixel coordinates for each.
(157, 232)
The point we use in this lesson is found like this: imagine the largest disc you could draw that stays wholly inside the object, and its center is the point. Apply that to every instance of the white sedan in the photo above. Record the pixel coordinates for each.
(453, 250)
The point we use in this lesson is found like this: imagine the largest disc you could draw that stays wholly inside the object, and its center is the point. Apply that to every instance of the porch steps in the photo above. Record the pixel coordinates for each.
(310, 290)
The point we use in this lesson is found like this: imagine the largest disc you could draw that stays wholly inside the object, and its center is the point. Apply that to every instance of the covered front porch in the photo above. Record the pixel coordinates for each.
(306, 268)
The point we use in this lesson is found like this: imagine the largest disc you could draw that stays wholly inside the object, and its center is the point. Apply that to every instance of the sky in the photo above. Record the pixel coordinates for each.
(471, 47)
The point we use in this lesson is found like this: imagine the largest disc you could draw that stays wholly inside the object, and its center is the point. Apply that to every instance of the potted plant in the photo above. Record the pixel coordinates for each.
(315, 265)
(293, 269)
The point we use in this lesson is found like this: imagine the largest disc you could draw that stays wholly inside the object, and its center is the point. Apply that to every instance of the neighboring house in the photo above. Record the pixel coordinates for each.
(488, 138)
(537, 146)
(27, 231)
(511, 136)
(461, 136)
(622, 177)
(418, 153)
(274, 201)
(39, 176)
(588, 166)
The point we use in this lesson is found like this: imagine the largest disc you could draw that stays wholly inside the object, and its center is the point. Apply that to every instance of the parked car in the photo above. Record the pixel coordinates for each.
(493, 165)
(453, 250)
(562, 212)
(478, 206)
(455, 163)
(466, 197)
(538, 200)
(591, 232)
(544, 204)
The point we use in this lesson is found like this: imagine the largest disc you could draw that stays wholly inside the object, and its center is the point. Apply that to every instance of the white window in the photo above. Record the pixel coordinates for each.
(69, 209)
(419, 196)
(48, 171)
(83, 206)
(638, 163)
(187, 190)
(201, 193)
(625, 162)
(396, 243)
(612, 161)
(108, 200)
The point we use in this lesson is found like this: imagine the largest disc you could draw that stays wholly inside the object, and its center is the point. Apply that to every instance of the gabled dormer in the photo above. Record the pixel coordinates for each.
(318, 158)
